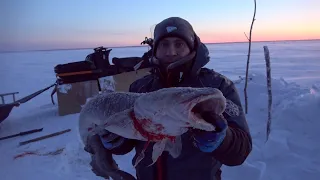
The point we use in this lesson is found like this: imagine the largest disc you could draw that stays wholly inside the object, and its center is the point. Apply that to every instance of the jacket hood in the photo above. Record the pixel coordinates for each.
(202, 56)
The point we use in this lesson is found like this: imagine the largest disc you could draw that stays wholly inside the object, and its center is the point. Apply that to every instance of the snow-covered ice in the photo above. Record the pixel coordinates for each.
(292, 151)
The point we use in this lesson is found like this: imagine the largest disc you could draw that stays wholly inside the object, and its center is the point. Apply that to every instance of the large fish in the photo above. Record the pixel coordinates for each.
(161, 116)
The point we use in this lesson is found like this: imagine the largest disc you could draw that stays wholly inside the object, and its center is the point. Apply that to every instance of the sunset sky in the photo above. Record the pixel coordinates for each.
(51, 24)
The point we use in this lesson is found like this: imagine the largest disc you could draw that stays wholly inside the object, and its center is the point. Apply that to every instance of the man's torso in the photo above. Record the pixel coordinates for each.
(192, 163)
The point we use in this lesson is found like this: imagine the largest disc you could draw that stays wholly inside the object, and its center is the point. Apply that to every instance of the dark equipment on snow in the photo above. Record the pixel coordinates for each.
(78, 81)
(5, 109)
(96, 65)
(22, 133)
(7, 94)
(44, 137)
(148, 41)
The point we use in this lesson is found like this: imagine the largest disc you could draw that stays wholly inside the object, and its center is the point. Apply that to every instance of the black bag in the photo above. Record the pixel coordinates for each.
(97, 65)
(99, 59)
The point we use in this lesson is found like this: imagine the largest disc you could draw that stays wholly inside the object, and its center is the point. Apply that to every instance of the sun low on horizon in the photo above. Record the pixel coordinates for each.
(37, 24)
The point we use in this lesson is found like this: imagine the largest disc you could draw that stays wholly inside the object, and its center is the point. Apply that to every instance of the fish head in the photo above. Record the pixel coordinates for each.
(182, 105)
(200, 99)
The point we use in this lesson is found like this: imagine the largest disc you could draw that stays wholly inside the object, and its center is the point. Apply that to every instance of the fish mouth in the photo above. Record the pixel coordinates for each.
(214, 102)
(198, 103)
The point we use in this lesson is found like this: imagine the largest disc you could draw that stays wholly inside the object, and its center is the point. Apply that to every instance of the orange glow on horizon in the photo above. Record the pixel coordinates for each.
(258, 36)
(268, 31)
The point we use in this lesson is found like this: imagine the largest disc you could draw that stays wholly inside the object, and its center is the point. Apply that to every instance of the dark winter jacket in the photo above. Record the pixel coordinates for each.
(192, 163)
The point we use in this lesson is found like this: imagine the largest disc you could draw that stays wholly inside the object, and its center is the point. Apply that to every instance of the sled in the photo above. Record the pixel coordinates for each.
(5, 109)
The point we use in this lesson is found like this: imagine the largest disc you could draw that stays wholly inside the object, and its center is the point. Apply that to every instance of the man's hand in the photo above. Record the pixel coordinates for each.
(209, 141)
(111, 140)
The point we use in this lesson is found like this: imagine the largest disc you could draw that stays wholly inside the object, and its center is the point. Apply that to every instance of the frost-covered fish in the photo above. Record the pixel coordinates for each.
(160, 116)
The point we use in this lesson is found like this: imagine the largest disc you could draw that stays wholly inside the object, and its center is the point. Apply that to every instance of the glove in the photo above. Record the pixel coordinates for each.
(209, 141)
(104, 140)
(111, 140)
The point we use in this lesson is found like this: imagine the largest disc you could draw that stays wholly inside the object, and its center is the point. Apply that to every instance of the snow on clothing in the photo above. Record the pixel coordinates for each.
(194, 163)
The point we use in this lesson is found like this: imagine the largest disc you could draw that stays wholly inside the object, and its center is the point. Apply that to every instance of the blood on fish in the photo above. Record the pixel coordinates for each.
(149, 135)
(159, 127)
(146, 122)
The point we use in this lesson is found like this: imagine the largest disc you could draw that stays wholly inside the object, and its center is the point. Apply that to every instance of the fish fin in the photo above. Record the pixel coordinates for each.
(122, 124)
(174, 147)
(139, 158)
(158, 148)
(141, 155)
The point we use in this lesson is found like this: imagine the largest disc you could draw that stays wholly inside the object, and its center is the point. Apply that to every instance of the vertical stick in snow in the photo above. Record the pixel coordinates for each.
(268, 68)
(247, 70)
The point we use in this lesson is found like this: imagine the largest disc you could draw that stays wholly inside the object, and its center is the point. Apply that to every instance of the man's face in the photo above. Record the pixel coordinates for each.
(171, 49)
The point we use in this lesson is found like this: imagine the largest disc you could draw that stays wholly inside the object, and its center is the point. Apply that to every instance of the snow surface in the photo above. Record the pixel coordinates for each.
(292, 152)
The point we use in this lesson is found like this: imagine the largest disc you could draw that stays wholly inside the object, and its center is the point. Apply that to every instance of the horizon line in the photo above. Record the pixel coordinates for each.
(128, 46)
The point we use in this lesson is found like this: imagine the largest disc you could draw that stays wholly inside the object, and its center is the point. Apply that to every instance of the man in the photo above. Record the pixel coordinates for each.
(178, 59)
